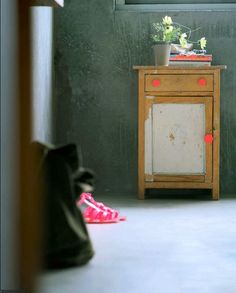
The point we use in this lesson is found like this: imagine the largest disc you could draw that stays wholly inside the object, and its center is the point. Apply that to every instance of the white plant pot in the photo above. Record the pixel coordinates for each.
(178, 49)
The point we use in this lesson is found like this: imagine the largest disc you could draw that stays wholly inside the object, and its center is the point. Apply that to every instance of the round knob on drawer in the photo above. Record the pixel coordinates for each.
(202, 82)
(156, 82)
(208, 138)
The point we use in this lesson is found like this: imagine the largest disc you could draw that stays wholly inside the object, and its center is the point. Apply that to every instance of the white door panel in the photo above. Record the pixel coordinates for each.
(178, 138)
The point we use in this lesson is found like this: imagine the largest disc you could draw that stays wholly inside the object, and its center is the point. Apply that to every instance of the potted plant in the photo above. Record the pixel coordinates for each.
(168, 32)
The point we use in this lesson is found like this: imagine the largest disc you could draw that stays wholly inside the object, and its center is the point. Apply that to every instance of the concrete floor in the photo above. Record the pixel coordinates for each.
(165, 246)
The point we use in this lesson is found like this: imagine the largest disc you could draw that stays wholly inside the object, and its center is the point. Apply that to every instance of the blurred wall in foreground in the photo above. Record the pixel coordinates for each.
(42, 93)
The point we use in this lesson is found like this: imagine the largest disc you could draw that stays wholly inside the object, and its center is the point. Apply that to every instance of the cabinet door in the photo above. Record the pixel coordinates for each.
(175, 148)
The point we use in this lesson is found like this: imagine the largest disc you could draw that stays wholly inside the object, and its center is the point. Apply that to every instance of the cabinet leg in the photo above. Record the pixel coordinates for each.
(215, 192)
(141, 192)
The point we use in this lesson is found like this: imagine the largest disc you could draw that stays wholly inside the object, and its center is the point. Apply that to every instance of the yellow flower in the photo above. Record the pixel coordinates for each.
(182, 40)
(202, 42)
(169, 29)
(167, 20)
(183, 36)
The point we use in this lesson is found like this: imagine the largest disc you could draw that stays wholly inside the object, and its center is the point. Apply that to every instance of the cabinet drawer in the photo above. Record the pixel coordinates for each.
(178, 82)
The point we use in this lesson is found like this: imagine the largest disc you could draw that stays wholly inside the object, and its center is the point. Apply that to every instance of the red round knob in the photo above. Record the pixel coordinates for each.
(202, 82)
(156, 82)
(208, 138)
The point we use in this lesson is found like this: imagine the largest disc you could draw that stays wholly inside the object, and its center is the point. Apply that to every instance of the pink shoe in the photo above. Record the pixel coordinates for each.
(97, 212)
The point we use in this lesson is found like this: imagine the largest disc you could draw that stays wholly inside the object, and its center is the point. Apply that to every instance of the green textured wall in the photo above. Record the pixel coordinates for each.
(9, 178)
(96, 88)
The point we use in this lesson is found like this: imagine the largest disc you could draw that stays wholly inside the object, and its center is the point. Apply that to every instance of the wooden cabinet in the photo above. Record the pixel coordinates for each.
(179, 128)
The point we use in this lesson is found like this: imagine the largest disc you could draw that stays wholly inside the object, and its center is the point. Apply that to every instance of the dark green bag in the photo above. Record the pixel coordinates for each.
(66, 239)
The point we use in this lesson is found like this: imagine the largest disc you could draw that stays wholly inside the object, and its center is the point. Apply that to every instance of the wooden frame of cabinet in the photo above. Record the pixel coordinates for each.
(181, 85)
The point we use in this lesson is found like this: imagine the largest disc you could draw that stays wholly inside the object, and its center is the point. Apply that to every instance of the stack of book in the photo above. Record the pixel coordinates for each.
(190, 59)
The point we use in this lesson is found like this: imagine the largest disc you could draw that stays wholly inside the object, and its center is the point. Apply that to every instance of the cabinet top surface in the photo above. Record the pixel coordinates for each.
(177, 67)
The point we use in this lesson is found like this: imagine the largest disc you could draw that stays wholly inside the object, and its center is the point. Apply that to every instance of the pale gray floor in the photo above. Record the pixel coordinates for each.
(165, 246)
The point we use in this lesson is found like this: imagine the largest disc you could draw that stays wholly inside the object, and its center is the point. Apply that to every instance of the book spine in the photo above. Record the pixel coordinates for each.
(191, 57)
(190, 63)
